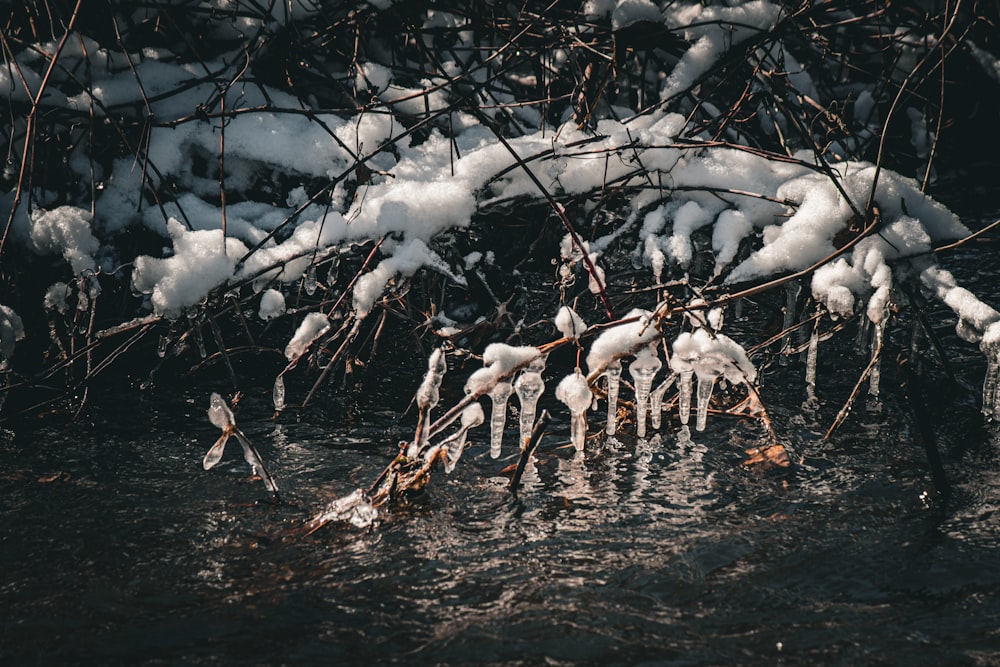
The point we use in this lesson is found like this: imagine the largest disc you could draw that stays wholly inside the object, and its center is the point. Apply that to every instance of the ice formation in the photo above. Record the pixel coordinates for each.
(709, 357)
(356, 508)
(812, 352)
(278, 393)
(643, 369)
(499, 360)
(472, 417)
(620, 340)
(529, 387)
(613, 373)
(575, 393)
(221, 416)
(656, 400)
(500, 394)
(428, 395)
(312, 327)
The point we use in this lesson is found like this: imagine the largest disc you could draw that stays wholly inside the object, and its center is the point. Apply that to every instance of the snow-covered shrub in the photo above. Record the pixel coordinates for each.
(321, 163)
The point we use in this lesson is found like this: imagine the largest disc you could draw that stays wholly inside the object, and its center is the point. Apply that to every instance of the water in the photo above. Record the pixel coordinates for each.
(117, 548)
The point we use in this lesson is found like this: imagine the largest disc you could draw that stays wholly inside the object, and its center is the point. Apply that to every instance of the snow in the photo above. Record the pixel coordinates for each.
(621, 340)
(569, 324)
(427, 394)
(763, 217)
(574, 392)
(499, 359)
(627, 12)
(11, 331)
(972, 313)
(272, 304)
(312, 327)
(423, 199)
(718, 355)
(67, 231)
(197, 266)
(55, 297)
(713, 30)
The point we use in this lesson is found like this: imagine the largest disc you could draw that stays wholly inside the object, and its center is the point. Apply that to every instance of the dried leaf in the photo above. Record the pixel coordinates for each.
(767, 457)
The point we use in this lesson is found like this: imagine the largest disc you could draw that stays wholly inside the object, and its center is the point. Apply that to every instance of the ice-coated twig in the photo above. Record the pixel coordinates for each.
(709, 356)
(846, 410)
(501, 361)
(500, 394)
(812, 353)
(427, 397)
(529, 386)
(990, 382)
(874, 379)
(574, 391)
(220, 415)
(278, 393)
(527, 447)
(656, 400)
(792, 290)
(614, 373)
(621, 339)
(355, 508)
(454, 445)
(643, 369)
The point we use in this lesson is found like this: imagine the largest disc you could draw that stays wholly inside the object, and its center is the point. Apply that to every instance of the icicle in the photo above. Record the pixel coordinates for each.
(864, 330)
(309, 281)
(529, 386)
(792, 290)
(656, 400)
(219, 413)
(811, 353)
(643, 369)
(874, 379)
(683, 360)
(575, 393)
(991, 381)
(472, 417)
(684, 381)
(916, 338)
(498, 419)
(278, 393)
(614, 374)
(706, 383)
(200, 341)
(995, 415)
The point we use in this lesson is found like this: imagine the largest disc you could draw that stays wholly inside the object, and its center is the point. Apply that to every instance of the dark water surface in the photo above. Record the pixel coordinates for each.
(117, 548)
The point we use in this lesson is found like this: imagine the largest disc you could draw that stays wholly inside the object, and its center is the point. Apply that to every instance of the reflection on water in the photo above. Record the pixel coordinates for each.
(118, 548)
